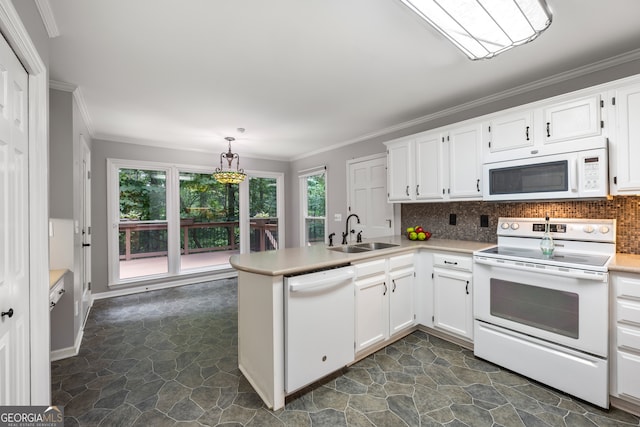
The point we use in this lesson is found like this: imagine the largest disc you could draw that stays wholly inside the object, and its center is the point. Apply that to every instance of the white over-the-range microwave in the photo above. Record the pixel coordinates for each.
(569, 175)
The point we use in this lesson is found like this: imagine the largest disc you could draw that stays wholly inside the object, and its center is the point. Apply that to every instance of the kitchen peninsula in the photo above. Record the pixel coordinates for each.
(262, 302)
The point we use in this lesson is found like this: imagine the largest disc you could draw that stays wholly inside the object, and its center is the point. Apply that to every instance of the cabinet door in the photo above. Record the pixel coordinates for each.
(371, 311)
(401, 309)
(452, 300)
(400, 173)
(570, 120)
(626, 172)
(510, 131)
(428, 162)
(628, 374)
(465, 162)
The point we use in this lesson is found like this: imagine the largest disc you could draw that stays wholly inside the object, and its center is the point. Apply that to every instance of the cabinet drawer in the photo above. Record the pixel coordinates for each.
(628, 374)
(627, 287)
(369, 268)
(628, 311)
(401, 261)
(628, 337)
(452, 261)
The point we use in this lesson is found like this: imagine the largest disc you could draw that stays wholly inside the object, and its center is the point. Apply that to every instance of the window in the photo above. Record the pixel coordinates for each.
(142, 225)
(209, 227)
(263, 213)
(313, 198)
(167, 220)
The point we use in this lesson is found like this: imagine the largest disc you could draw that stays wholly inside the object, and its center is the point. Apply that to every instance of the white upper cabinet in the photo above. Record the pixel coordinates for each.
(429, 166)
(400, 175)
(625, 143)
(510, 131)
(440, 165)
(465, 162)
(578, 118)
(563, 124)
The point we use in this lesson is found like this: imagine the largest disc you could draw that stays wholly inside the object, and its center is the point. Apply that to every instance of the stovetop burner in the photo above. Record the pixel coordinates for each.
(587, 260)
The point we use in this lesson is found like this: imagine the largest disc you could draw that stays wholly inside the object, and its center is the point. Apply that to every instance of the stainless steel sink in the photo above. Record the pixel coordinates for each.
(372, 246)
(349, 249)
(363, 247)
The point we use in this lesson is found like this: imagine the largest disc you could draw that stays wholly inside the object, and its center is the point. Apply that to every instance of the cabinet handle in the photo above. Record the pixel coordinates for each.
(548, 129)
(385, 288)
(478, 185)
(418, 190)
(452, 263)
(527, 133)
(467, 288)
(407, 190)
(394, 285)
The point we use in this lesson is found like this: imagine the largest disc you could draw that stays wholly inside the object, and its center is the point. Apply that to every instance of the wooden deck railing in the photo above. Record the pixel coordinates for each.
(261, 227)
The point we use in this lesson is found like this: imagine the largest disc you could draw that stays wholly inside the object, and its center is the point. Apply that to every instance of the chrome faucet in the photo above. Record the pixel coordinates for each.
(346, 228)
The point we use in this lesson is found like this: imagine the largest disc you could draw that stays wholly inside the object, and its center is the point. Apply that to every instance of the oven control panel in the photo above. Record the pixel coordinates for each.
(588, 230)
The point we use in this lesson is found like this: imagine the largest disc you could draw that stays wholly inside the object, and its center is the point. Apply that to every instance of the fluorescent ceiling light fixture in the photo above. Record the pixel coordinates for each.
(484, 28)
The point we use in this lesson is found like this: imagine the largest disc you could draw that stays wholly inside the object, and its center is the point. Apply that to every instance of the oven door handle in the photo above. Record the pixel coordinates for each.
(552, 270)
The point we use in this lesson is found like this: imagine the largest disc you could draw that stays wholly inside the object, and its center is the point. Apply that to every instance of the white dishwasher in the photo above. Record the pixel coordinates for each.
(319, 325)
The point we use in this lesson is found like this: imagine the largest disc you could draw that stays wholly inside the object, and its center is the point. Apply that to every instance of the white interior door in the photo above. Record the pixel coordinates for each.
(14, 230)
(85, 198)
(368, 196)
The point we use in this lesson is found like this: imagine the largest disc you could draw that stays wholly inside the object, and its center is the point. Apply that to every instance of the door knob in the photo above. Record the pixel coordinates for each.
(7, 313)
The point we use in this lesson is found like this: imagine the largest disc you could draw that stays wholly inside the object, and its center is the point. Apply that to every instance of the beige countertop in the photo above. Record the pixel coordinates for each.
(297, 260)
(55, 276)
(628, 263)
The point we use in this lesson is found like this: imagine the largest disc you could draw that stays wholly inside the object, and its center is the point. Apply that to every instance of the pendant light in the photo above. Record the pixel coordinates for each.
(229, 176)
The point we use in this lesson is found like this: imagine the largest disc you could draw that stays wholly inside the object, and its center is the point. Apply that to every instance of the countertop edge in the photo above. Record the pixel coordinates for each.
(626, 263)
(240, 262)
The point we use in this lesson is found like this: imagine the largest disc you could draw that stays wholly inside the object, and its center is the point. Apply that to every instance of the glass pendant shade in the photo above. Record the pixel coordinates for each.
(484, 28)
(229, 176)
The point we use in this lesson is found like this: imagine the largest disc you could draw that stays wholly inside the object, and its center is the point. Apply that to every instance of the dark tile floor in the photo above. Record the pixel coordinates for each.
(169, 358)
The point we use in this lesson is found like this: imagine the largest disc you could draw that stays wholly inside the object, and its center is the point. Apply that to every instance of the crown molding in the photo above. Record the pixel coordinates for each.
(80, 102)
(63, 86)
(518, 90)
(46, 13)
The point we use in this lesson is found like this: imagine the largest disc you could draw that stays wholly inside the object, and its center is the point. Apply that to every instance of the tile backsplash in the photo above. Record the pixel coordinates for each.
(435, 217)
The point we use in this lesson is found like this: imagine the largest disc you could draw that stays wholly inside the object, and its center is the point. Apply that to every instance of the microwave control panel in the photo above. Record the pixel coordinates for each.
(591, 173)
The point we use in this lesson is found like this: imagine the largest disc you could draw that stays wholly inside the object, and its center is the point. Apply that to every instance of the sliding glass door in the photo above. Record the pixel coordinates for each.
(170, 220)
(209, 227)
(142, 223)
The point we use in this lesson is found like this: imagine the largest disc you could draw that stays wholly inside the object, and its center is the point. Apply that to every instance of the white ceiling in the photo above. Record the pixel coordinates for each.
(299, 75)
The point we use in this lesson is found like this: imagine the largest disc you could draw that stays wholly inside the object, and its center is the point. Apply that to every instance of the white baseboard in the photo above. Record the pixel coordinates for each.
(164, 285)
(63, 353)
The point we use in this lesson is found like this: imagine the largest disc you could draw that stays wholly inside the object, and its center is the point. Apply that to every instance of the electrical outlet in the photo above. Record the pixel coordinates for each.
(452, 219)
(484, 220)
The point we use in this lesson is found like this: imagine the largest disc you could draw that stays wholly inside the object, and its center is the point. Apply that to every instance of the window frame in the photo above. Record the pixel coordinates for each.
(304, 203)
(172, 172)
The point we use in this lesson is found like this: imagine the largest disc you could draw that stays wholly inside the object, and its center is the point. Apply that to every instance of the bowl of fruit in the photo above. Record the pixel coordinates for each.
(417, 233)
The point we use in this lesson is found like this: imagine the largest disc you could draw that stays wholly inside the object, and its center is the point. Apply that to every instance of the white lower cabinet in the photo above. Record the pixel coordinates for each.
(371, 311)
(452, 294)
(384, 299)
(625, 340)
(401, 311)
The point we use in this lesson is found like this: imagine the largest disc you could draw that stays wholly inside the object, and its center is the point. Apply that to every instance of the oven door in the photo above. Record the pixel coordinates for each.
(560, 307)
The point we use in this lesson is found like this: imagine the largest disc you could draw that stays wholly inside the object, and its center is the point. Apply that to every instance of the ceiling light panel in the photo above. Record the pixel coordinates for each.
(484, 28)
